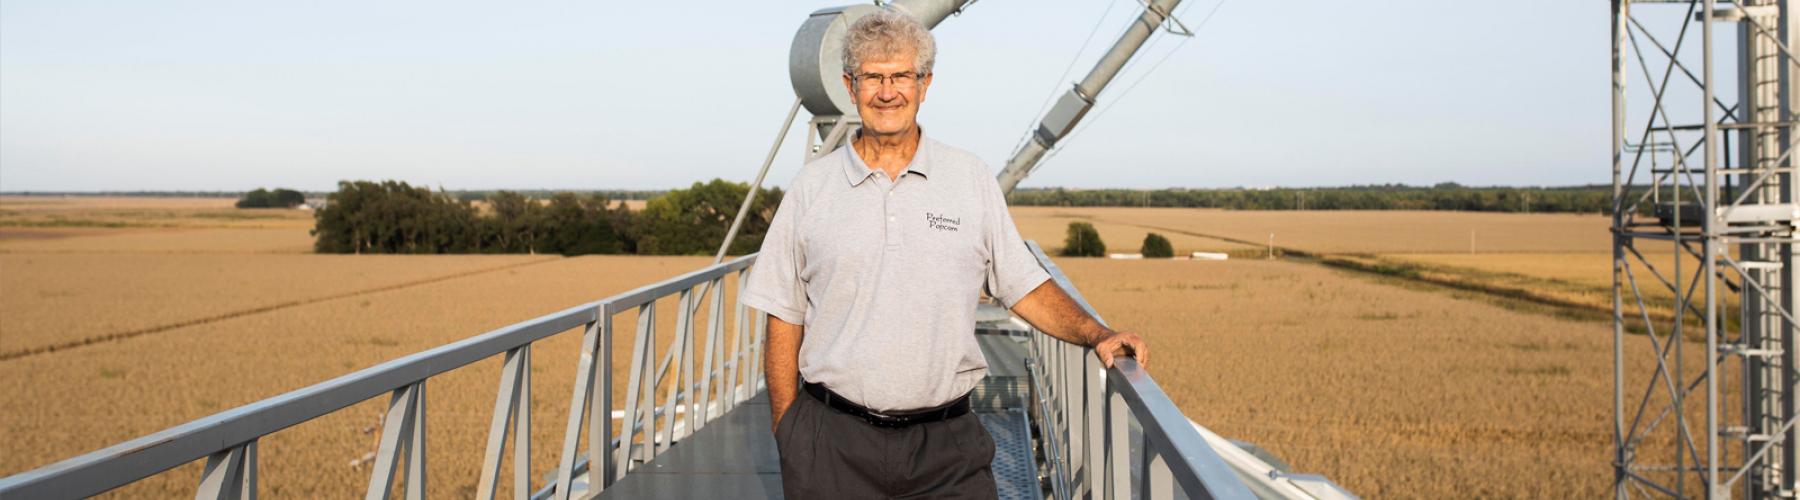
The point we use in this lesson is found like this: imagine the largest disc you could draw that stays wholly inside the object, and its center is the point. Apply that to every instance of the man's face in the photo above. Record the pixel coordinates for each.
(893, 107)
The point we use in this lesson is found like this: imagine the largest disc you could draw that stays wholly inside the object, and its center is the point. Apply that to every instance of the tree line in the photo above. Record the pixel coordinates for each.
(396, 217)
(1445, 196)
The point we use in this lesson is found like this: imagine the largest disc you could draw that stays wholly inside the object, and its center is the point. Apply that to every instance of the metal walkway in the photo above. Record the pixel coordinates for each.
(734, 456)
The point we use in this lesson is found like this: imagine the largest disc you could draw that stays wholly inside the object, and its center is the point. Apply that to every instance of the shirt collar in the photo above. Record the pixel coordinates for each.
(856, 171)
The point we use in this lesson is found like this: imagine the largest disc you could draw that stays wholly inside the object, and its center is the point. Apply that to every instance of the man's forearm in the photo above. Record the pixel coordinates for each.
(1053, 312)
(781, 366)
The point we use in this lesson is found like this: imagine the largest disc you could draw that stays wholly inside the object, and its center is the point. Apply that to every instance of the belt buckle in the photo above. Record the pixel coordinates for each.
(884, 420)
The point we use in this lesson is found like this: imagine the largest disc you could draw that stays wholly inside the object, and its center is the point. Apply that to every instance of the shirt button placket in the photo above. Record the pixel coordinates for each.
(893, 224)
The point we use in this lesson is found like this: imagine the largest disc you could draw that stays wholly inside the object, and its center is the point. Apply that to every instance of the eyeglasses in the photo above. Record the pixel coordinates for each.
(904, 80)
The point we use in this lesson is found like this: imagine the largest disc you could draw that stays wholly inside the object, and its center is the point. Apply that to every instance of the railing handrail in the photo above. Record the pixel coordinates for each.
(1192, 463)
(120, 464)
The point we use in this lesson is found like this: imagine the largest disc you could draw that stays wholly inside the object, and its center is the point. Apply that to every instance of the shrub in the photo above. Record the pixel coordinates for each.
(1157, 247)
(1083, 241)
(279, 198)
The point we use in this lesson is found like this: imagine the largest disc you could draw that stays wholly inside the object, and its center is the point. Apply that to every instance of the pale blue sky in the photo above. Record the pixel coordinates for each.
(215, 95)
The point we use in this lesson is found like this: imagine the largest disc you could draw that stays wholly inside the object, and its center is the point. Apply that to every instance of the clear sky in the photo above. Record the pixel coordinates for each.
(217, 95)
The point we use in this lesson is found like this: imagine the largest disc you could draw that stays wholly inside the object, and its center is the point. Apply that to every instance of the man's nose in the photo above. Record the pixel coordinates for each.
(887, 93)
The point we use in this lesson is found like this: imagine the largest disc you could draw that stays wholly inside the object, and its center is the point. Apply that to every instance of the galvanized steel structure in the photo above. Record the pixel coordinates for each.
(1704, 216)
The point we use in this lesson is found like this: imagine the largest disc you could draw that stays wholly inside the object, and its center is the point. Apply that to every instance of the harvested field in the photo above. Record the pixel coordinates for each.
(1388, 391)
(169, 241)
(129, 212)
(1354, 231)
(1393, 391)
(1586, 269)
(50, 301)
(1050, 228)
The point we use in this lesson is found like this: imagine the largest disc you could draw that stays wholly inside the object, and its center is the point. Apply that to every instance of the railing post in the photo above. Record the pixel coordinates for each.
(1071, 414)
(689, 346)
(600, 452)
(415, 447)
(522, 429)
(740, 358)
(1094, 393)
(641, 387)
(1118, 446)
(230, 474)
(677, 349)
(715, 314)
(583, 394)
(1158, 481)
(399, 429)
(512, 402)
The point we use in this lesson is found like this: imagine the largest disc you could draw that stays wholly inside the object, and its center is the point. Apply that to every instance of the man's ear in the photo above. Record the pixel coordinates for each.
(924, 84)
(850, 86)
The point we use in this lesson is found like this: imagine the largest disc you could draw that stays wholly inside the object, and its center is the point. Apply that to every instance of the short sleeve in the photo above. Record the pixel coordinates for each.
(774, 285)
(1012, 270)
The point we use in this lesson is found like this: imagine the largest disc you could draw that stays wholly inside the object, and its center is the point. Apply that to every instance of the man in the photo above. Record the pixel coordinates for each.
(871, 272)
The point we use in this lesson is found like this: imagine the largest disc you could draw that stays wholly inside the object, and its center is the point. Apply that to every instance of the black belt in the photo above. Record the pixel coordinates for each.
(947, 411)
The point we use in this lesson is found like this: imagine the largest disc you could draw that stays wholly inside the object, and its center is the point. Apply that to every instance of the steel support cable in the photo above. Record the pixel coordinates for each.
(1064, 77)
(1146, 75)
(737, 222)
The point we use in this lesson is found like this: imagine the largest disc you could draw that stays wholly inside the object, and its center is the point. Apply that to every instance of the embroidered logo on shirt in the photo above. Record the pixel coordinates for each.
(942, 223)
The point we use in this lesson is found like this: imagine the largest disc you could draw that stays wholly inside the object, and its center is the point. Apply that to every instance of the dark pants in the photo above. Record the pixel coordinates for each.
(828, 454)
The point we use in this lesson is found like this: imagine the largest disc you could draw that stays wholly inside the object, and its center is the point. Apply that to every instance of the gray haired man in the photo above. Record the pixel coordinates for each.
(871, 272)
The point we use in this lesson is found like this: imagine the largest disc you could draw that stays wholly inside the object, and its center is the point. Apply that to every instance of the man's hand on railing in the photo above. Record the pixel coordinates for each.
(1052, 311)
(1113, 344)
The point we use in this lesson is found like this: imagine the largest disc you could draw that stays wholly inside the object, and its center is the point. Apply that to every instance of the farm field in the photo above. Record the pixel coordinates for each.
(1391, 391)
(142, 212)
(1343, 231)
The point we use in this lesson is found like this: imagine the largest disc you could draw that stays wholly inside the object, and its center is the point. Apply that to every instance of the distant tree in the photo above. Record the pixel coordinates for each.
(392, 217)
(288, 198)
(1157, 247)
(515, 222)
(693, 221)
(577, 225)
(259, 198)
(279, 198)
(1083, 241)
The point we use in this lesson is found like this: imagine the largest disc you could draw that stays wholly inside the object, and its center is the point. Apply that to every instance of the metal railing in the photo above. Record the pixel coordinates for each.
(1084, 416)
(228, 440)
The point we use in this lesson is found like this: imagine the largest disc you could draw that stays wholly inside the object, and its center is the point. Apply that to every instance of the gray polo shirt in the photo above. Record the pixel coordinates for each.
(885, 274)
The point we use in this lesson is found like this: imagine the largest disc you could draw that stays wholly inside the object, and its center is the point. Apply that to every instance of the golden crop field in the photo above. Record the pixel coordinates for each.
(1392, 391)
(1345, 231)
(1388, 391)
(138, 212)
